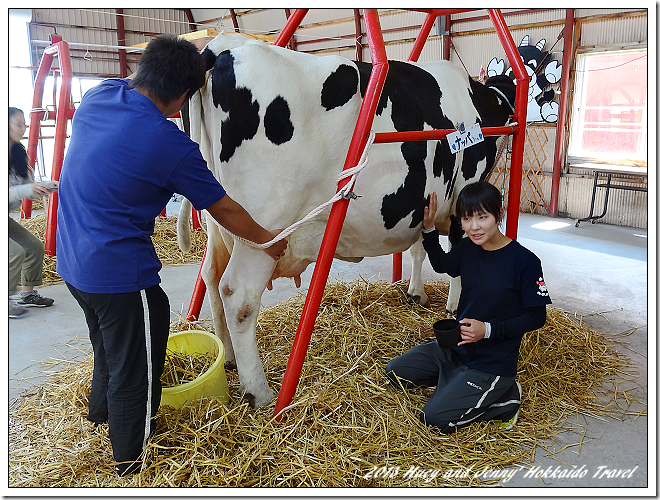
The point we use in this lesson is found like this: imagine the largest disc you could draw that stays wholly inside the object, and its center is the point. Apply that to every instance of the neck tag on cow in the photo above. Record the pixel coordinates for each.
(464, 137)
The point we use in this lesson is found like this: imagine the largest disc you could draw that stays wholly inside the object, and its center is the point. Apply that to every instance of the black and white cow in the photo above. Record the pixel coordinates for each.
(275, 125)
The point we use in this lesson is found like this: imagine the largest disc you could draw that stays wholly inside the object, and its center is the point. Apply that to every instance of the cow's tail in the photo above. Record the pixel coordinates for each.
(183, 226)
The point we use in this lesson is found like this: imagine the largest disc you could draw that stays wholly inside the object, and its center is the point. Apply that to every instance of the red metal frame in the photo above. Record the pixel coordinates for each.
(563, 106)
(64, 112)
(365, 119)
(358, 141)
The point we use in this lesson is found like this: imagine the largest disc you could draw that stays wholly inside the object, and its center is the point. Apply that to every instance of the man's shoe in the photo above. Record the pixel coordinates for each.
(128, 468)
(31, 298)
(15, 311)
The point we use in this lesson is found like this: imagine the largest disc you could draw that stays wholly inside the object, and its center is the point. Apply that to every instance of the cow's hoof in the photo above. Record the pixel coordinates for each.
(414, 298)
(419, 299)
(230, 365)
(451, 313)
(250, 399)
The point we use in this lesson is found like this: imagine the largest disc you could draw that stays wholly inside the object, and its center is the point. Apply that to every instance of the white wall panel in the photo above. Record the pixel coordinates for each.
(624, 31)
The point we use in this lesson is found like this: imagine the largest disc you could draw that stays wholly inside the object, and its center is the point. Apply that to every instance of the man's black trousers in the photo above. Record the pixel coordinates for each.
(128, 332)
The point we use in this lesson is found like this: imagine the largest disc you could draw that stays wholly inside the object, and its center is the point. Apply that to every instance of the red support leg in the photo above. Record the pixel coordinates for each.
(64, 113)
(198, 294)
(337, 215)
(518, 146)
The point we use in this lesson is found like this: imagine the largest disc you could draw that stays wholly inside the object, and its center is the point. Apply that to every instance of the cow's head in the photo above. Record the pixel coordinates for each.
(506, 91)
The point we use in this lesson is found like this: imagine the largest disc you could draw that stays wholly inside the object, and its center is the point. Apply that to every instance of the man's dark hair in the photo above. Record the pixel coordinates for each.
(479, 197)
(168, 67)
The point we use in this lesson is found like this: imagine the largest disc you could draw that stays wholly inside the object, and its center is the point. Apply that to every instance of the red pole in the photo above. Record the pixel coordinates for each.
(35, 121)
(337, 214)
(121, 40)
(196, 221)
(291, 25)
(198, 294)
(64, 113)
(436, 134)
(397, 266)
(422, 36)
(561, 120)
(518, 146)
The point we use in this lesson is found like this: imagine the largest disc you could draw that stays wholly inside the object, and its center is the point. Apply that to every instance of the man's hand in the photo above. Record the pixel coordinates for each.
(429, 212)
(233, 217)
(276, 250)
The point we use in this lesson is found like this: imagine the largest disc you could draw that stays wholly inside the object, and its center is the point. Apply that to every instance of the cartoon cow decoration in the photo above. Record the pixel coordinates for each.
(275, 125)
(543, 70)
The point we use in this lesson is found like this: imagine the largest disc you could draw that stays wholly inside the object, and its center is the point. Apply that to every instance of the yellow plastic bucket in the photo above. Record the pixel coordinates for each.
(213, 382)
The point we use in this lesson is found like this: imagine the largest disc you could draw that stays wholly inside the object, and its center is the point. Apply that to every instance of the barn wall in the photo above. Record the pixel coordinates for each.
(332, 31)
(99, 26)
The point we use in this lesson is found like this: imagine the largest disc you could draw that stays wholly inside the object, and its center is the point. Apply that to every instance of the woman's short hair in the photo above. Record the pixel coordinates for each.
(479, 197)
(169, 67)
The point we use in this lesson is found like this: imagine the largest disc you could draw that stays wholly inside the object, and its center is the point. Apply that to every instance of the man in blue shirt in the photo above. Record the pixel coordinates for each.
(124, 161)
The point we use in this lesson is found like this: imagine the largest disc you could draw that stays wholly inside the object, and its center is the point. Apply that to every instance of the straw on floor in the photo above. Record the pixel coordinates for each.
(346, 425)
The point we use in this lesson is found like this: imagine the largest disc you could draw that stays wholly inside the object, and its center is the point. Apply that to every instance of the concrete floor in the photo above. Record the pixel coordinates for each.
(597, 271)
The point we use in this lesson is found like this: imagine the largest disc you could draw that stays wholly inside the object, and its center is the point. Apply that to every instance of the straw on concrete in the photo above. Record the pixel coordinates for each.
(346, 425)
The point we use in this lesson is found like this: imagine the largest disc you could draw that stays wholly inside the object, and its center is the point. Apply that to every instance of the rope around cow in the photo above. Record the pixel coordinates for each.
(344, 193)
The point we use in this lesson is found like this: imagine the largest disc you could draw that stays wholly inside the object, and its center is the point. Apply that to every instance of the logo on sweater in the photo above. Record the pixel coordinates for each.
(474, 385)
(543, 290)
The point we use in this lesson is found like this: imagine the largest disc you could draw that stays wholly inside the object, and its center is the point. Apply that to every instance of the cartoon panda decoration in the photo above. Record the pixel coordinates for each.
(543, 70)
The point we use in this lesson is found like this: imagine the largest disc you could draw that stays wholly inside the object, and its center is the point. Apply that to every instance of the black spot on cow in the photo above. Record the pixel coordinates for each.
(209, 58)
(243, 120)
(339, 87)
(415, 97)
(223, 80)
(277, 121)
(409, 197)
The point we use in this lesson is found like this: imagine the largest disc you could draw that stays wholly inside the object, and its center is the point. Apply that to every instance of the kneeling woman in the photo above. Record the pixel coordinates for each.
(503, 296)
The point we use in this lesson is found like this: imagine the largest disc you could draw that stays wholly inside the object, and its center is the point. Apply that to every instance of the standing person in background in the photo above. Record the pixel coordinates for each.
(503, 296)
(124, 162)
(26, 251)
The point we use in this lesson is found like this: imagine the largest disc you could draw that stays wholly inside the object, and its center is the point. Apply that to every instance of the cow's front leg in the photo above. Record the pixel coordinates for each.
(416, 286)
(215, 263)
(241, 287)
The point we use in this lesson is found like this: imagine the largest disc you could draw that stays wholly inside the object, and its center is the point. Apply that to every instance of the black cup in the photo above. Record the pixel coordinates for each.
(447, 332)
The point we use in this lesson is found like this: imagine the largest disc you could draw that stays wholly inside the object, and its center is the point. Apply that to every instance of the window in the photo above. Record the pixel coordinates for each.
(608, 123)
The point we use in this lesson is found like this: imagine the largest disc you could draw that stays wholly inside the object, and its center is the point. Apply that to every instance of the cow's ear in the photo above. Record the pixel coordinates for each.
(209, 58)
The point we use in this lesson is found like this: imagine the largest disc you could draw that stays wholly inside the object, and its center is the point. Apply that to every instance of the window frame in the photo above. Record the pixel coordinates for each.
(578, 93)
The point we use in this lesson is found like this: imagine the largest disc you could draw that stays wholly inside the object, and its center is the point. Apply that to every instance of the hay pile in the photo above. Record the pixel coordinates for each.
(164, 239)
(345, 422)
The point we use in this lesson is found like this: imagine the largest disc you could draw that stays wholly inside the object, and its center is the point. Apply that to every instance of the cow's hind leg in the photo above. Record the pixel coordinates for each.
(416, 287)
(215, 263)
(242, 285)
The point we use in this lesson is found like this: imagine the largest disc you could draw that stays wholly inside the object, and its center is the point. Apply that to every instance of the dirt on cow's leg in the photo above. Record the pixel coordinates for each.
(215, 263)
